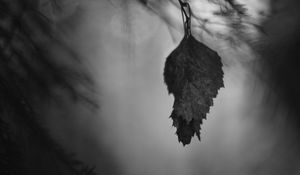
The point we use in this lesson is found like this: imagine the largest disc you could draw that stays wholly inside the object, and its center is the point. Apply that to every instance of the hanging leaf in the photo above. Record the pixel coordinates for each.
(193, 74)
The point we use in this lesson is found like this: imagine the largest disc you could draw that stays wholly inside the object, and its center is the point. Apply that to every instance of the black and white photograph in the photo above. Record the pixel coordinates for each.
(149, 87)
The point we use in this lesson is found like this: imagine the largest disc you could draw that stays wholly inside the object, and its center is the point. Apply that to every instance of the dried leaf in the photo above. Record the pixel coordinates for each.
(193, 74)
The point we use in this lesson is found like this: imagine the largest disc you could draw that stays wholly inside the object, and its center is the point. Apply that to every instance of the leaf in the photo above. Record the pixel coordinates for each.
(193, 74)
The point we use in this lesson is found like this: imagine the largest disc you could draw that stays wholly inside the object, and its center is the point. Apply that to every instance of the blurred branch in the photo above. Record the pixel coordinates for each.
(234, 15)
(31, 73)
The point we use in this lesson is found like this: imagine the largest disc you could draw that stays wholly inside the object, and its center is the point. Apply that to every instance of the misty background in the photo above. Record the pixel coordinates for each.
(124, 47)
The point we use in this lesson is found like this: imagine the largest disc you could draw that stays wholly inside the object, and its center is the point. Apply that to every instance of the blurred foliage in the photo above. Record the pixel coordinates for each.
(36, 66)
(230, 14)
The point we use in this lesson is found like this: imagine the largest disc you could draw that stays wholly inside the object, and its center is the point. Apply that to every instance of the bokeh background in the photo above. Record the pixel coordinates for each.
(124, 45)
